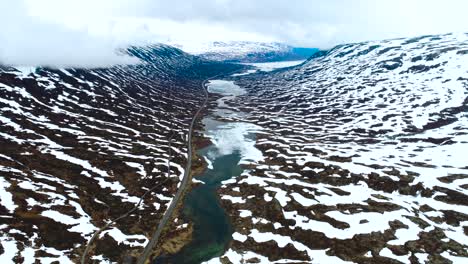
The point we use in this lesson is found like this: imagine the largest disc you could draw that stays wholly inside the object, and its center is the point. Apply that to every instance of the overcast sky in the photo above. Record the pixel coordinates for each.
(86, 32)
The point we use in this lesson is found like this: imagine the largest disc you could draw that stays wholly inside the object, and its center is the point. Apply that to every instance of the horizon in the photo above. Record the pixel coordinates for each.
(88, 33)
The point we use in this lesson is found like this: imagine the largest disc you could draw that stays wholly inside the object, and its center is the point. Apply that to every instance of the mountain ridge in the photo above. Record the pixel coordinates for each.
(364, 160)
(246, 51)
(81, 146)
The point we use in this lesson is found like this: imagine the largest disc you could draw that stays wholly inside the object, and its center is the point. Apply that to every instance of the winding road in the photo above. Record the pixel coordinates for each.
(167, 216)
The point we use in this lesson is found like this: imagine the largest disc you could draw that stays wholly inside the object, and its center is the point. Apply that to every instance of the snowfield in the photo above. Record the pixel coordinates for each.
(79, 148)
(364, 157)
(356, 155)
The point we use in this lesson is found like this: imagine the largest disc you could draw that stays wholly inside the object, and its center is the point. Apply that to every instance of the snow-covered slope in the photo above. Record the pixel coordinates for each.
(79, 148)
(246, 51)
(365, 157)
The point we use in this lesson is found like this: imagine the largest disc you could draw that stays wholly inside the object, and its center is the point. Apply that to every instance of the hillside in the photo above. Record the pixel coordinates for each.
(364, 160)
(81, 147)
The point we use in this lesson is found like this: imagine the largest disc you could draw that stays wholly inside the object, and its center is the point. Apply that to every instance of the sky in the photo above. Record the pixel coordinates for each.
(87, 33)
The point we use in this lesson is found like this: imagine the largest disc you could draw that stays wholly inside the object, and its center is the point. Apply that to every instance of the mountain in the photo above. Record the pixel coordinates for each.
(364, 157)
(246, 51)
(79, 148)
(359, 156)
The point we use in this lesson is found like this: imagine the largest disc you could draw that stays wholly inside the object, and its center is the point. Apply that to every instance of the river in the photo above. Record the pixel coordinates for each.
(232, 144)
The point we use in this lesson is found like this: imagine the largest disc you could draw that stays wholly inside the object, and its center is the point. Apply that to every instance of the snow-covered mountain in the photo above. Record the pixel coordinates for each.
(360, 155)
(364, 157)
(79, 148)
(246, 51)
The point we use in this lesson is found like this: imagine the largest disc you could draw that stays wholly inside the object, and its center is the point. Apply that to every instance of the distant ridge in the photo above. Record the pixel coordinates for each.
(247, 51)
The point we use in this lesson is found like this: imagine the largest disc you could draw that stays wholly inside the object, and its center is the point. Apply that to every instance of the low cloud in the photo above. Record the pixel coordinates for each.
(318, 23)
(86, 33)
(26, 40)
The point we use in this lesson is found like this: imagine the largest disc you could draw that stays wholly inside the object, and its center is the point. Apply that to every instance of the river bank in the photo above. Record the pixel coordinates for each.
(231, 144)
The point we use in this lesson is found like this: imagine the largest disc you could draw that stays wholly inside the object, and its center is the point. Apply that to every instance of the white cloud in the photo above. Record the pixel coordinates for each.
(305, 22)
(87, 31)
(317, 23)
(31, 41)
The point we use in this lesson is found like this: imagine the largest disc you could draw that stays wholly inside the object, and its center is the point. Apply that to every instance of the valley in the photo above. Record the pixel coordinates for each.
(354, 155)
(82, 148)
(363, 157)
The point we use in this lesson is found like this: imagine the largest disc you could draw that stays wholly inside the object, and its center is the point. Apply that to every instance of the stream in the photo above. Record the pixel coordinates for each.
(233, 143)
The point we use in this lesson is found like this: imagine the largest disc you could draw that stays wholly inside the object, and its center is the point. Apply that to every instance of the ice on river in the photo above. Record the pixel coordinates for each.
(230, 137)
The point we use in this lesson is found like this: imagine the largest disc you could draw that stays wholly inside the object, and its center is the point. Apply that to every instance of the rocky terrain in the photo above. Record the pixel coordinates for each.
(358, 155)
(81, 148)
(363, 157)
(246, 51)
